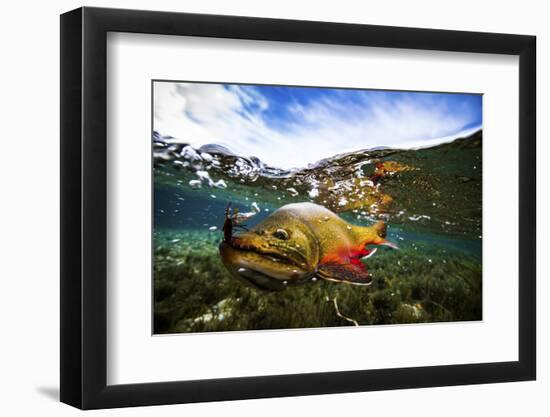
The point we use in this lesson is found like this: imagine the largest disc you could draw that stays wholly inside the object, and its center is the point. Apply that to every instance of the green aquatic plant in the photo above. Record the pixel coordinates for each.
(420, 283)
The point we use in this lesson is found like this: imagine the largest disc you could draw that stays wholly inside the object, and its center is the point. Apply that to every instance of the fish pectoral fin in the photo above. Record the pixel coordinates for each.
(388, 244)
(383, 242)
(344, 272)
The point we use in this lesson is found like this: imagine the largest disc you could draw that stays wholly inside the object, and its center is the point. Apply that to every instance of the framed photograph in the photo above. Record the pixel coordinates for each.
(258, 207)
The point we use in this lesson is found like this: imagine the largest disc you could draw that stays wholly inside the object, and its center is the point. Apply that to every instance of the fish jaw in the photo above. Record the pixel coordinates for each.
(262, 267)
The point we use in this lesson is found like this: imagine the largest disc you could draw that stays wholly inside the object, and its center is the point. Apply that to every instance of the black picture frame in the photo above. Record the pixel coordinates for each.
(84, 207)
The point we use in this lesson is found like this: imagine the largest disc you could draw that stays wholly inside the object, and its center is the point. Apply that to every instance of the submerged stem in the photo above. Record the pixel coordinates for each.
(335, 304)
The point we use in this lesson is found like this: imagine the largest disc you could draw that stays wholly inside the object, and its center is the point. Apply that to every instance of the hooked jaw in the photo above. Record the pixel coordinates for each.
(260, 266)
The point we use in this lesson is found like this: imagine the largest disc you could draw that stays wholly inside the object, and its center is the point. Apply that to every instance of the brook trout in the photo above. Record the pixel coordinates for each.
(299, 243)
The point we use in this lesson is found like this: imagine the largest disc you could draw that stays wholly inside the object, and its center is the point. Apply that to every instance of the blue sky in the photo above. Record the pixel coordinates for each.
(290, 127)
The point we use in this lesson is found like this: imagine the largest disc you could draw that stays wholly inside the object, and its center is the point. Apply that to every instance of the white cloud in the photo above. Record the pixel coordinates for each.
(235, 117)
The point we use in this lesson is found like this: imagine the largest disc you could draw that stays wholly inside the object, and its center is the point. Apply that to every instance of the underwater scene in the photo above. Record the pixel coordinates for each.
(280, 207)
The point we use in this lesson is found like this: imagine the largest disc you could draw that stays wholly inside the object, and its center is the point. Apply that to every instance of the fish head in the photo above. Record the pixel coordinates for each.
(279, 251)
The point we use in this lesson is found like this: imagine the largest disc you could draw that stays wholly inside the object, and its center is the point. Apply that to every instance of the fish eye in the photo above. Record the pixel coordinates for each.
(281, 234)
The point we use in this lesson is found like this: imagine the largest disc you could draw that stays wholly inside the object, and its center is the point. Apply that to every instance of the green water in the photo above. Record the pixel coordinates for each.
(434, 216)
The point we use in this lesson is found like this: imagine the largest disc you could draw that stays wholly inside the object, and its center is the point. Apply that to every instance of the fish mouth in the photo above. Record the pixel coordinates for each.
(268, 253)
(262, 268)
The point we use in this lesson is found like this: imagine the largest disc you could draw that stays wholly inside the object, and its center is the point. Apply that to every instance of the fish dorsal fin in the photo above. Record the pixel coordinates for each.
(370, 235)
(380, 228)
(374, 235)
